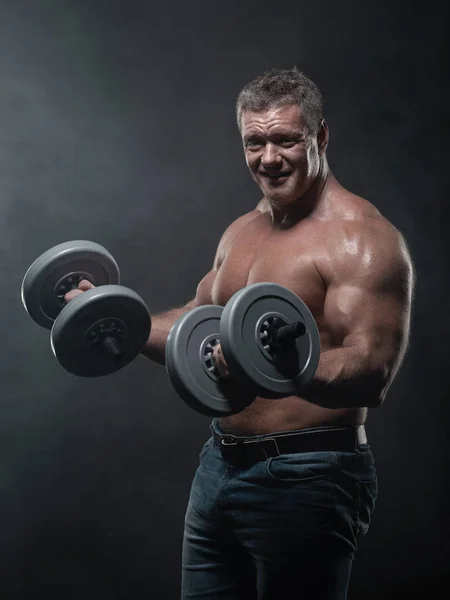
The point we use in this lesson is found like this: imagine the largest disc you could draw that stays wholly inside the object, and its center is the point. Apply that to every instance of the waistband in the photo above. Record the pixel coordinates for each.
(261, 447)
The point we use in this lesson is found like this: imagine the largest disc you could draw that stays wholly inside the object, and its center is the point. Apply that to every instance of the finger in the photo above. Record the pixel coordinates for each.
(85, 285)
(219, 361)
(72, 294)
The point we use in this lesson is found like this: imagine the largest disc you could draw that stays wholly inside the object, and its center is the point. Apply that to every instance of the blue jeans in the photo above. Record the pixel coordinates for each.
(283, 528)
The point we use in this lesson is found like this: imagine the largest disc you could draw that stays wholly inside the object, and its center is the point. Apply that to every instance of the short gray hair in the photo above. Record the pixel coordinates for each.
(282, 87)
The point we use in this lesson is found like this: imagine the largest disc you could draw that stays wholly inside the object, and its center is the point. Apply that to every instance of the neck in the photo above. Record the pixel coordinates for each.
(307, 205)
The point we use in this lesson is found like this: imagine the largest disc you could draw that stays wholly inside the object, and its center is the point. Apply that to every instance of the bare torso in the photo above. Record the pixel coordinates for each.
(300, 258)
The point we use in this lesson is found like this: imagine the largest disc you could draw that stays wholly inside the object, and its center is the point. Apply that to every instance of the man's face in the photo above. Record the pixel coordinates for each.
(283, 158)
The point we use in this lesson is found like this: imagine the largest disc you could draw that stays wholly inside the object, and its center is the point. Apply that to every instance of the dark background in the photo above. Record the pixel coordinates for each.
(117, 126)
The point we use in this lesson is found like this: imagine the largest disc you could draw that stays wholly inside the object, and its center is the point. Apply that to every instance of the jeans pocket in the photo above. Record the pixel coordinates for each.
(365, 504)
(294, 467)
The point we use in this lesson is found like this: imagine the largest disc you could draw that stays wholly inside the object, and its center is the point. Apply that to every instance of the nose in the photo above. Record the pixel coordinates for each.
(271, 157)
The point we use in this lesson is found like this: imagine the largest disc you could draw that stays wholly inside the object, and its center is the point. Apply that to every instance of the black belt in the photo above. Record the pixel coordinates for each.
(236, 449)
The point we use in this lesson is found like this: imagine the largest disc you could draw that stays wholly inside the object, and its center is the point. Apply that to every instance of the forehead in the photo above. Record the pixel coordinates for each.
(280, 118)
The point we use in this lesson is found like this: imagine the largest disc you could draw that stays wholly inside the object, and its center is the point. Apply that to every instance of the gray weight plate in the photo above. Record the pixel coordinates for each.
(82, 334)
(275, 374)
(59, 269)
(190, 368)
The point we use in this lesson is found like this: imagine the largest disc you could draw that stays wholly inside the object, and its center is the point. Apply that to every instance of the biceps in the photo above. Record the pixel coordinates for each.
(373, 319)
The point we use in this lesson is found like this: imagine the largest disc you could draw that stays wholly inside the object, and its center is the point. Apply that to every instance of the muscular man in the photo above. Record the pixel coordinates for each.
(285, 487)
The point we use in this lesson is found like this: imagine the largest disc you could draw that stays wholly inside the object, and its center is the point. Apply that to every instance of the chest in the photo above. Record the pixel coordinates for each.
(287, 258)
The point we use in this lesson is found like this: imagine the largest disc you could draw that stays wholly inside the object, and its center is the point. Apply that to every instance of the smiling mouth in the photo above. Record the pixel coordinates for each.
(276, 176)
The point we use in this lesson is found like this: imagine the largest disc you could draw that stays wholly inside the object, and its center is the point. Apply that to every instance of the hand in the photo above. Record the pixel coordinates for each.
(83, 286)
(220, 362)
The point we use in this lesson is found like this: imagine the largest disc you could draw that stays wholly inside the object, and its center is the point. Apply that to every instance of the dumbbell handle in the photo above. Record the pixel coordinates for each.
(111, 346)
(285, 335)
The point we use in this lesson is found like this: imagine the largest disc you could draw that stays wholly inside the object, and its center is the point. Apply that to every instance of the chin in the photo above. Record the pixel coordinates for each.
(280, 197)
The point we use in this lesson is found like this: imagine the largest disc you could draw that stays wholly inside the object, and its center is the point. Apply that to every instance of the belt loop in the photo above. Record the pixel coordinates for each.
(270, 439)
(360, 436)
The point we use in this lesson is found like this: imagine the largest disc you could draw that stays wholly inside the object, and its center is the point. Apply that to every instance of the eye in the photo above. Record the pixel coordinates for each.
(287, 142)
(253, 144)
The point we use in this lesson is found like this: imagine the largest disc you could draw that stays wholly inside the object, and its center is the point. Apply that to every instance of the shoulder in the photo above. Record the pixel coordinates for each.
(362, 242)
(363, 229)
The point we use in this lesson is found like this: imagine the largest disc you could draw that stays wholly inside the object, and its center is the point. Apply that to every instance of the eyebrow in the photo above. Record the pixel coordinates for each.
(281, 133)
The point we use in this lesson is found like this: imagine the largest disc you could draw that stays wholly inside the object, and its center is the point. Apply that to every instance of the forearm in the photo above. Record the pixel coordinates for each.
(346, 377)
(155, 347)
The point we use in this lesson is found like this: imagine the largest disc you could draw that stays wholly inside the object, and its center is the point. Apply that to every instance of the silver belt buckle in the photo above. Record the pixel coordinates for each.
(224, 441)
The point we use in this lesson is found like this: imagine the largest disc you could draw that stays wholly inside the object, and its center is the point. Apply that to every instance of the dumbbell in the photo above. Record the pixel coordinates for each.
(269, 340)
(99, 331)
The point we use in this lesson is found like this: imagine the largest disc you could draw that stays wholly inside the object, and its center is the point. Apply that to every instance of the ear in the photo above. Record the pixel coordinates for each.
(323, 136)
